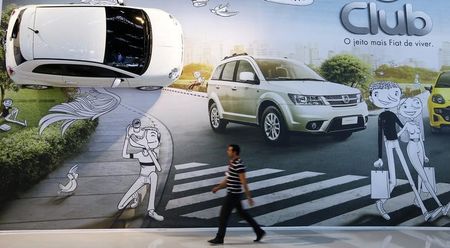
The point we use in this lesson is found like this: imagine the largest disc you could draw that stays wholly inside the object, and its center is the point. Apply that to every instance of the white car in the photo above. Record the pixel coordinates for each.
(281, 96)
(93, 45)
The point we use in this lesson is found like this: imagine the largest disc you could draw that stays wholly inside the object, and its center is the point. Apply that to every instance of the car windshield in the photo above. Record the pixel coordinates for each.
(16, 39)
(128, 39)
(284, 70)
(444, 81)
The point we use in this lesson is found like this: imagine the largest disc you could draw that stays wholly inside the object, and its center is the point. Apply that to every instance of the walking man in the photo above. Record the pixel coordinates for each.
(234, 181)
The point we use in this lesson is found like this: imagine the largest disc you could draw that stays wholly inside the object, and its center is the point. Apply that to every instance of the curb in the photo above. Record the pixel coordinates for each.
(186, 92)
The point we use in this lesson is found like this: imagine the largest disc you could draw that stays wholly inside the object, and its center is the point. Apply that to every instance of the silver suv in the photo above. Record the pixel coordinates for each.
(280, 96)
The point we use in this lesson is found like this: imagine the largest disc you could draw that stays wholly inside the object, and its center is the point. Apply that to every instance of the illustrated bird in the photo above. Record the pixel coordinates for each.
(71, 186)
(199, 3)
(223, 10)
(91, 106)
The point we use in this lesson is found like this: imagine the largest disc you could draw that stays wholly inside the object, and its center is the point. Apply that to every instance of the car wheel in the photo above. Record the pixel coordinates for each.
(149, 88)
(273, 127)
(36, 87)
(217, 124)
(435, 130)
(342, 136)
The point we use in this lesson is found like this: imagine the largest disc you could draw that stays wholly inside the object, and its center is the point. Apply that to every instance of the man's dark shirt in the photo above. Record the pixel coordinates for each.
(386, 127)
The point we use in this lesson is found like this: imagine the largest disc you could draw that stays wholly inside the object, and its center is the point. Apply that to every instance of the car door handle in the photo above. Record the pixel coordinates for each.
(234, 88)
(71, 82)
(217, 87)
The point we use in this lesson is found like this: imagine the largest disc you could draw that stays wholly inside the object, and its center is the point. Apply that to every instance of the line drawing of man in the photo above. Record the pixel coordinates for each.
(147, 139)
(387, 95)
(10, 113)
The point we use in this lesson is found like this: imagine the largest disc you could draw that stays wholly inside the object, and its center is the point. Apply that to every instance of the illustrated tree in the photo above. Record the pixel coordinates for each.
(5, 82)
(346, 69)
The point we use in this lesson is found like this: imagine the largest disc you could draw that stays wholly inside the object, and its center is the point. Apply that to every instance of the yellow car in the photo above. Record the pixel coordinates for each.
(439, 103)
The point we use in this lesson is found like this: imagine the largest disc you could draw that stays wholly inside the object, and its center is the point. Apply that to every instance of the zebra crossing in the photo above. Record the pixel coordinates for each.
(287, 197)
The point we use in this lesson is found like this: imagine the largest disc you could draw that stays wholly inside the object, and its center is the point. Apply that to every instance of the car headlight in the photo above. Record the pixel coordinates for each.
(359, 98)
(438, 99)
(306, 100)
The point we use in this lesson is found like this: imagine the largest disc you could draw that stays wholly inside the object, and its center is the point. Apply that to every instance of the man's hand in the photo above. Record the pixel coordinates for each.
(427, 160)
(378, 163)
(215, 189)
(251, 203)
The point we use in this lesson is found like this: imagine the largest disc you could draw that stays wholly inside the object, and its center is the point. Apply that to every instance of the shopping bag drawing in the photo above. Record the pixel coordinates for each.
(431, 176)
(380, 184)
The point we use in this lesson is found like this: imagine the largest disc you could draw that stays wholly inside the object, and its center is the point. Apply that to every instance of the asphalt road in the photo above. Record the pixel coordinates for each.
(187, 119)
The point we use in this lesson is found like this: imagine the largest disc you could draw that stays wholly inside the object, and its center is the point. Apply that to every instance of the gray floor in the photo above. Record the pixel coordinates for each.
(242, 237)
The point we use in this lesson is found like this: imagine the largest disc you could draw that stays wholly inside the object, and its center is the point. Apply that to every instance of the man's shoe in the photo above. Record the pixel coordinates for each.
(259, 236)
(155, 216)
(215, 241)
(380, 208)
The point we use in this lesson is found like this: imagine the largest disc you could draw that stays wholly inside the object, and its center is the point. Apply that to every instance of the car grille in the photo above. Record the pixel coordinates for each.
(336, 125)
(446, 114)
(342, 100)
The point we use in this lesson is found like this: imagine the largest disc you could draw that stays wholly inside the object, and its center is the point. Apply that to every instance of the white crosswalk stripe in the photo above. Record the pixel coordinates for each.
(334, 192)
(189, 165)
(442, 189)
(393, 204)
(216, 180)
(280, 195)
(188, 200)
(312, 206)
(198, 173)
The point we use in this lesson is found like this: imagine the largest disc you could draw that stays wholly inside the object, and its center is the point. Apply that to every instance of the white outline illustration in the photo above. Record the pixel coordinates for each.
(411, 110)
(10, 113)
(199, 80)
(71, 186)
(91, 106)
(223, 10)
(387, 95)
(200, 3)
(147, 141)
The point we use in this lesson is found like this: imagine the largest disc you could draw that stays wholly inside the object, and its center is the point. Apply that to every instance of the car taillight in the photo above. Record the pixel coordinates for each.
(10, 71)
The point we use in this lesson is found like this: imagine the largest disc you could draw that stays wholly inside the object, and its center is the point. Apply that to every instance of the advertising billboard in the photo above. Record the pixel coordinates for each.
(119, 115)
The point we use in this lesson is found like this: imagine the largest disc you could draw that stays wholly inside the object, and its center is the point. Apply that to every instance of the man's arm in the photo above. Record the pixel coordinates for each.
(244, 183)
(220, 186)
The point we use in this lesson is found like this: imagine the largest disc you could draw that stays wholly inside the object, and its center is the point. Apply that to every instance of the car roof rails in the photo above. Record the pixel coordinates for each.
(235, 55)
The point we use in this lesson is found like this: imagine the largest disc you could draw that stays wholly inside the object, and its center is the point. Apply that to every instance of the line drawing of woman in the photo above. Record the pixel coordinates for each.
(413, 134)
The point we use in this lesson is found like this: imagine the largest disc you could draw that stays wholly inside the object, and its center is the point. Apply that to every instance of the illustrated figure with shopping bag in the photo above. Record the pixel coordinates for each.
(387, 95)
(412, 133)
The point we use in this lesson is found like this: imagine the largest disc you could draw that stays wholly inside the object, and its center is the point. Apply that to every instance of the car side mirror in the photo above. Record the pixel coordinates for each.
(121, 2)
(430, 88)
(248, 77)
(117, 82)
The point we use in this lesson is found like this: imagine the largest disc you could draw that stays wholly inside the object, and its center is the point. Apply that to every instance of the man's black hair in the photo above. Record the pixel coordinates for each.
(235, 148)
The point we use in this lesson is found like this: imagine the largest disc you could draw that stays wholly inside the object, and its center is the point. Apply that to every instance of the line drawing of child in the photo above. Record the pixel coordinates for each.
(386, 95)
(147, 139)
(10, 113)
(199, 80)
(411, 110)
